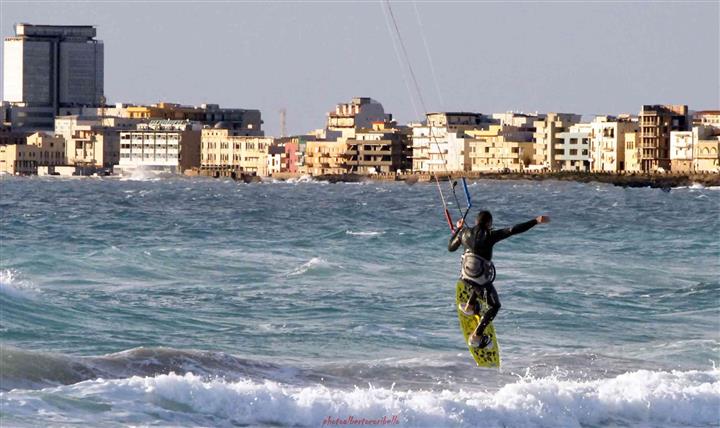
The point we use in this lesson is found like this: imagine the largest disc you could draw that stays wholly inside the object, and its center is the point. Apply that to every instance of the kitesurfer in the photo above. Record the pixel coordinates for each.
(477, 268)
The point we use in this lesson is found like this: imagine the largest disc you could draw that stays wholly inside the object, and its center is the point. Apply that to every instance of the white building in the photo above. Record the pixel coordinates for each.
(684, 146)
(46, 67)
(429, 151)
(171, 146)
(607, 142)
(572, 153)
(439, 145)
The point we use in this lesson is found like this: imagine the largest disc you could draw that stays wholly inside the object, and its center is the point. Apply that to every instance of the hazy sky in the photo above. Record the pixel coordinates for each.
(599, 57)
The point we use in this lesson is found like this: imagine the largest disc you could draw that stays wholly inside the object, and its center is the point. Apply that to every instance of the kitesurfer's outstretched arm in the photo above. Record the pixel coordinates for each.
(499, 235)
(456, 238)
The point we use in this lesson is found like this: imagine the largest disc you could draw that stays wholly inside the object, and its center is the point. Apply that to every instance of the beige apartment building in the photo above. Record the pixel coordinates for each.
(498, 149)
(359, 113)
(607, 142)
(546, 138)
(51, 148)
(229, 152)
(97, 148)
(439, 144)
(707, 155)
(93, 141)
(325, 157)
(382, 149)
(656, 122)
(19, 159)
(632, 152)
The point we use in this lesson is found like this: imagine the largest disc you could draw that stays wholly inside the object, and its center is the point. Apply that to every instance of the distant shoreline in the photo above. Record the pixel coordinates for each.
(622, 180)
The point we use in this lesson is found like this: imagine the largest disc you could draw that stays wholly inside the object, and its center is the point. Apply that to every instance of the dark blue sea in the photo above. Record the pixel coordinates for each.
(202, 302)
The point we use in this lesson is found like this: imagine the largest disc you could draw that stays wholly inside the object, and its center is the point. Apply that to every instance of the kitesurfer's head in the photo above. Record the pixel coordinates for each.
(484, 220)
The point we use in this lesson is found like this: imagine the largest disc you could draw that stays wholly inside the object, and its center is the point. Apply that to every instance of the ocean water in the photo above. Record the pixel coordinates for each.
(186, 302)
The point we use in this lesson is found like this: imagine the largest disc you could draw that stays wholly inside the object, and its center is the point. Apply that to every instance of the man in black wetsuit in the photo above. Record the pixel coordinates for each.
(477, 268)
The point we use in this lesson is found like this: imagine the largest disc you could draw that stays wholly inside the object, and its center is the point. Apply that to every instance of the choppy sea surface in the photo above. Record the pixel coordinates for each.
(184, 302)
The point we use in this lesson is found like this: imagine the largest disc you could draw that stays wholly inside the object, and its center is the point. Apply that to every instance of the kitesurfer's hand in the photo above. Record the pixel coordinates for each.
(460, 223)
(542, 219)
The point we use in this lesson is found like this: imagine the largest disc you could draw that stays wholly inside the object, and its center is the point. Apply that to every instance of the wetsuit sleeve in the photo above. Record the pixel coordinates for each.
(455, 240)
(499, 235)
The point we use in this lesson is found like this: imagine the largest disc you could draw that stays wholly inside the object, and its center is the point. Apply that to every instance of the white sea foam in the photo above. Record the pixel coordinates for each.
(302, 179)
(364, 233)
(314, 263)
(12, 285)
(642, 398)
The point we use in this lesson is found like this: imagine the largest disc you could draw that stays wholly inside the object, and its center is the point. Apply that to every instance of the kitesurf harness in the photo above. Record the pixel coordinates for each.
(476, 269)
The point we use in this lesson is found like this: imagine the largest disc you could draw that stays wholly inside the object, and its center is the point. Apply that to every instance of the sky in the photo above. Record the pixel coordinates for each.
(607, 57)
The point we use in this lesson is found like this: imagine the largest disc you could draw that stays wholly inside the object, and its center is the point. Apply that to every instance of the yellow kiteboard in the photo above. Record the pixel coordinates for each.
(490, 355)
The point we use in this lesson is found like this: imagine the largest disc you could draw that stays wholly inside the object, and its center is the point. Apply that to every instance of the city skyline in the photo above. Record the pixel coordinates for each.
(305, 63)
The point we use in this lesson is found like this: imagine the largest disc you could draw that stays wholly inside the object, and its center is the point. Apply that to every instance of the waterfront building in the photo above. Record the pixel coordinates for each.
(707, 155)
(573, 152)
(325, 157)
(295, 154)
(632, 152)
(93, 148)
(242, 121)
(501, 148)
(230, 152)
(93, 142)
(382, 149)
(19, 159)
(50, 148)
(685, 152)
(171, 146)
(656, 122)
(275, 158)
(546, 138)
(439, 144)
(682, 145)
(359, 113)
(46, 67)
(607, 142)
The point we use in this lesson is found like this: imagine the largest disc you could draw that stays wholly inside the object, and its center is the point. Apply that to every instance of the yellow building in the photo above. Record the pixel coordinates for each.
(632, 152)
(19, 159)
(94, 147)
(546, 138)
(51, 148)
(325, 157)
(497, 149)
(707, 156)
(224, 153)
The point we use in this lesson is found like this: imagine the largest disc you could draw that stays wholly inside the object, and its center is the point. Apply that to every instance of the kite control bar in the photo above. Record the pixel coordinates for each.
(448, 217)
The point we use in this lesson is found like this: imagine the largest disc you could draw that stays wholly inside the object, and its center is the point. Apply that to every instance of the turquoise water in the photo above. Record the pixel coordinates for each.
(208, 302)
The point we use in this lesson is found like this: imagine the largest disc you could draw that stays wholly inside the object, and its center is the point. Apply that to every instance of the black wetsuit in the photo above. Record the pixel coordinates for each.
(480, 242)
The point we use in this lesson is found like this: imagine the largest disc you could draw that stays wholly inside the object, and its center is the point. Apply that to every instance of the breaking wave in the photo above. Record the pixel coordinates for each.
(12, 285)
(641, 398)
(313, 264)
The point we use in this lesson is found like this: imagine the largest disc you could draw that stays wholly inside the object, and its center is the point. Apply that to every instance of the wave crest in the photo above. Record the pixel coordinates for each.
(651, 398)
